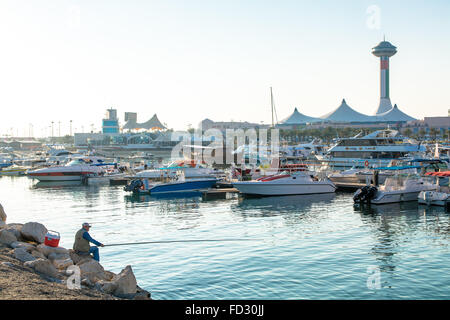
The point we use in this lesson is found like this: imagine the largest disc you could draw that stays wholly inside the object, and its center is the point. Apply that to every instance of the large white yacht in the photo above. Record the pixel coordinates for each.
(376, 149)
(74, 170)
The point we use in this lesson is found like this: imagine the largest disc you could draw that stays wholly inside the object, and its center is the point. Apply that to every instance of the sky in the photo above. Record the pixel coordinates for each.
(63, 60)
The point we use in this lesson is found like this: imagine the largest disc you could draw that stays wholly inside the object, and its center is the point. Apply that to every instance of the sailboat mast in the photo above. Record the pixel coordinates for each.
(271, 104)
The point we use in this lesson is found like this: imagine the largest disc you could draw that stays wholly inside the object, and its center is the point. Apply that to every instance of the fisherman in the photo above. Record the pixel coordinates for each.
(81, 245)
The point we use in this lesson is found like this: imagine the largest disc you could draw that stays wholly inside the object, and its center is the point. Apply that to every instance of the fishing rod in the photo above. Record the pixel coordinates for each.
(174, 241)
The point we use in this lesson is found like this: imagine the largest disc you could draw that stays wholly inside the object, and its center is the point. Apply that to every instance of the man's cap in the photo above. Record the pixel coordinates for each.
(86, 225)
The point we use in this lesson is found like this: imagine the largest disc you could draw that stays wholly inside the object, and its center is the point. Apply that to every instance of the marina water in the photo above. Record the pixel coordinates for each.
(305, 247)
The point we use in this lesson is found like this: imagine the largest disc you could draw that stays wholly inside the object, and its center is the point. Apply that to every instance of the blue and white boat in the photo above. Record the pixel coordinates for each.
(178, 186)
(183, 186)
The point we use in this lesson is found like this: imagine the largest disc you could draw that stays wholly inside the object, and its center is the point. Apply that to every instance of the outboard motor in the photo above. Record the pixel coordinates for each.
(371, 192)
(134, 185)
(357, 197)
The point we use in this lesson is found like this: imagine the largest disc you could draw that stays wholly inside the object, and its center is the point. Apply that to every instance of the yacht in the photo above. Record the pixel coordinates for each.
(76, 169)
(285, 183)
(378, 148)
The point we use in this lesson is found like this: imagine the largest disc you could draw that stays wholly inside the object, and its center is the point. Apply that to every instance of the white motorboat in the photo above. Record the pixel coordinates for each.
(76, 169)
(14, 170)
(433, 198)
(285, 184)
(398, 188)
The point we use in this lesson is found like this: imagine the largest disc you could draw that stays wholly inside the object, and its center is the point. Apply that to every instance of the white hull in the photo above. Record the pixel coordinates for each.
(271, 189)
(433, 198)
(397, 196)
(58, 178)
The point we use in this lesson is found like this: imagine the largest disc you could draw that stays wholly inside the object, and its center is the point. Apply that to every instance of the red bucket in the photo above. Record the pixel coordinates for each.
(52, 238)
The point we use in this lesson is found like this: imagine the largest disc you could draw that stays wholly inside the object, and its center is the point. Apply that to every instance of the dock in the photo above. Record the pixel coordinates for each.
(346, 186)
(218, 193)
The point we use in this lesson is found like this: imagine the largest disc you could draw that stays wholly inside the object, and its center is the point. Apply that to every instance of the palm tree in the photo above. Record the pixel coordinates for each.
(407, 132)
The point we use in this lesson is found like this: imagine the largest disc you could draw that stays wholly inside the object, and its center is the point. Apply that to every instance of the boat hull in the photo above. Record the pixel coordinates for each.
(269, 189)
(396, 196)
(183, 186)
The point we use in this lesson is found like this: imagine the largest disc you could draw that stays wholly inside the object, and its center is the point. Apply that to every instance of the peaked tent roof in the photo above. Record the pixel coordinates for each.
(395, 114)
(299, 118)
(150, 124)
(344, 113)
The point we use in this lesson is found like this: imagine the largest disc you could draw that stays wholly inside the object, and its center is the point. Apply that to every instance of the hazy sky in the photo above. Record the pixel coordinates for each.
(187, 60)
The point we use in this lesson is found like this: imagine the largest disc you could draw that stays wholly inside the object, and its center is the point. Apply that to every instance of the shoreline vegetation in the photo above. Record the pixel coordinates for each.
(30, 270)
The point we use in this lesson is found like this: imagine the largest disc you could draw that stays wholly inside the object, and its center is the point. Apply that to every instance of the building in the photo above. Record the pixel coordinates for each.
(152, 124)
(207, 124)
(111, 123)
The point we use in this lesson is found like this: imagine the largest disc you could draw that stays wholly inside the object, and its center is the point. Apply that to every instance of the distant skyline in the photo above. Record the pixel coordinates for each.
(190, 60)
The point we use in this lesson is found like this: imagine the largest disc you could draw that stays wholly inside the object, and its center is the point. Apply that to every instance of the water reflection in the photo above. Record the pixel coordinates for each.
(165, 203)
(56, 184)
(270, 206)
(394, 225)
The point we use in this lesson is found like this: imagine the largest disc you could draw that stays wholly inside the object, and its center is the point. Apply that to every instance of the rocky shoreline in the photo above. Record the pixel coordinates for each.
(31, 270)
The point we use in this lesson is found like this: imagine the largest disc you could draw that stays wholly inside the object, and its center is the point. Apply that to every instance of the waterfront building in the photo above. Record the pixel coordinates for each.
(207, 124)
(111, 123)
(151, 124)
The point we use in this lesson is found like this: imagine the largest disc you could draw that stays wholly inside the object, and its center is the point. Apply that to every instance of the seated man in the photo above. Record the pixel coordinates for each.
(81, 245)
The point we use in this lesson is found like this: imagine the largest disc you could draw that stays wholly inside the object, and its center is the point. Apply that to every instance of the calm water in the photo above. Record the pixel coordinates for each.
(314, 247)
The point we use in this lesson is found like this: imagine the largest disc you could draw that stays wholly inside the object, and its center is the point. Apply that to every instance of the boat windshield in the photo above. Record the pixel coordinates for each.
(76, 162)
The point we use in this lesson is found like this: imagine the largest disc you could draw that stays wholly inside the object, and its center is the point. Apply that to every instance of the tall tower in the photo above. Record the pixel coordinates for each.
(384, 50)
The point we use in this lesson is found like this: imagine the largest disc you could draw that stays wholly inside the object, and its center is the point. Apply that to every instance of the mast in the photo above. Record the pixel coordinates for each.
(271, 104)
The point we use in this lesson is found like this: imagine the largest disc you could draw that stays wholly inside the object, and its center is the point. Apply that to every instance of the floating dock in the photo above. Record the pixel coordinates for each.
(218, 193)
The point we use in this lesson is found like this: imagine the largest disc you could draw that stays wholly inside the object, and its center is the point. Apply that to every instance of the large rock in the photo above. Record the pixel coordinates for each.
(7, 237)
(125, 282)
(62, 264)
(47, 250)
(2, 224)
(43, 266)
(36, 254)
(142, 294)
(15, 228)
(92, 270)
(34, 231)
(20, 244)
(23, 255)
(79, 259)
(58, 256)
(2, 214)
(106, 286)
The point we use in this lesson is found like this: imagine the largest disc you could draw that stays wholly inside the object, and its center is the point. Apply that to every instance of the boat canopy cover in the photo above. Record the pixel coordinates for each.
(438, 174)
(399, 168)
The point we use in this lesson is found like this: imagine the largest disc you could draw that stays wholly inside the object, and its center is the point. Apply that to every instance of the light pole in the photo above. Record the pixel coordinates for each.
(70, 127)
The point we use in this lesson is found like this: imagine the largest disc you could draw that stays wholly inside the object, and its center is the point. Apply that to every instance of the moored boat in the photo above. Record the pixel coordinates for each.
(399, 188)
(285, 184)
(75, 170)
